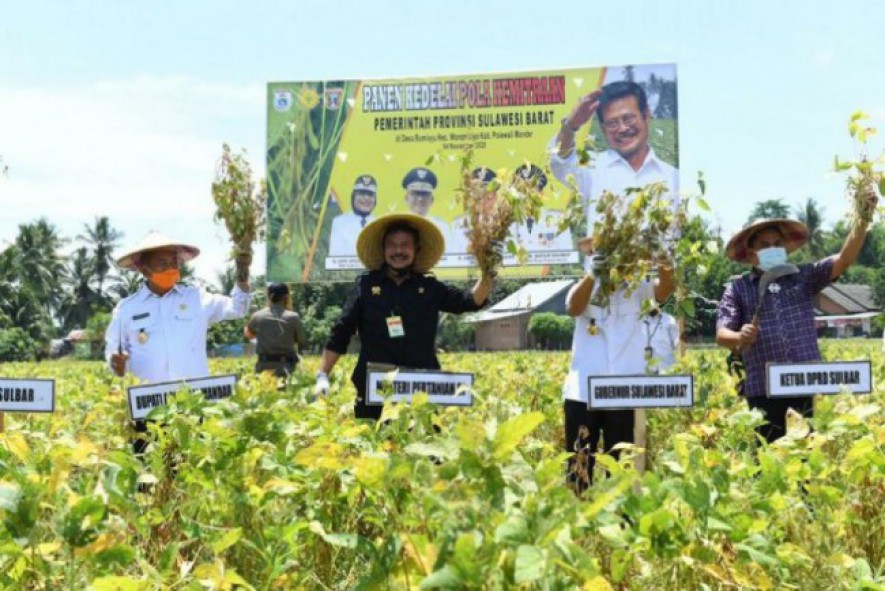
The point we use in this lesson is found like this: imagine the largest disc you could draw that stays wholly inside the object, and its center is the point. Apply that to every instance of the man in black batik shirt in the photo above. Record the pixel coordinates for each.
(395, 305)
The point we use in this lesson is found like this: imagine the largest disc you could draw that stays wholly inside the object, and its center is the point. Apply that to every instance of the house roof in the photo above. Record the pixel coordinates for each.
(853, 298)
(77, 335)
(527, 298)
(835, 317)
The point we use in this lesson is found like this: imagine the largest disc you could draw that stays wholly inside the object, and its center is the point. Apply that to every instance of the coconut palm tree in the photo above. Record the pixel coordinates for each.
(811, 214)
(770, 208)
(102, 239)
(126, 284)
(19, 307)
(40, 264)
(80, 299)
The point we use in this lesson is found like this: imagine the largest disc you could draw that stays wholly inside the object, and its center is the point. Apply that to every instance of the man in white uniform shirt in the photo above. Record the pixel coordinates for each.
(606, 341)
(347, 226)
(159, 333)
(623, 113)
(662, 339)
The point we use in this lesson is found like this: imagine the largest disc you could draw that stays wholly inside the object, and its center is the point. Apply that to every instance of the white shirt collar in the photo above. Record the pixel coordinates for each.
(145, 292)
(611, 158)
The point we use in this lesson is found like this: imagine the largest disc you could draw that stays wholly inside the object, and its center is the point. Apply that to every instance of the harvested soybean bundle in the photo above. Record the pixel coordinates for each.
(240, 206)
(634, 231)
(864, 175)
(491, 206)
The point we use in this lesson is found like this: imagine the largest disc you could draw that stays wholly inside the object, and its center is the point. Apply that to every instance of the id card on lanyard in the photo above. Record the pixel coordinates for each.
(395, 327)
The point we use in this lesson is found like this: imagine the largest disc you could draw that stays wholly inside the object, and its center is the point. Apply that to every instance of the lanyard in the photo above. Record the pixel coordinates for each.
(650, 335)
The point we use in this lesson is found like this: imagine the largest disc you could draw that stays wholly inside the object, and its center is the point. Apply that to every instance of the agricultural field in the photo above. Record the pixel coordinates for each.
(269, 490)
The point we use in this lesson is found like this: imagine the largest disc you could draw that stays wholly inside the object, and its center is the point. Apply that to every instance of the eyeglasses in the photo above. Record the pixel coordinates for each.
(615, 122)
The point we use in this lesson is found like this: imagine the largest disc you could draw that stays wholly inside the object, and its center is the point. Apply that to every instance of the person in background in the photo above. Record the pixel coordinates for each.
(277, 330)
(661, 340)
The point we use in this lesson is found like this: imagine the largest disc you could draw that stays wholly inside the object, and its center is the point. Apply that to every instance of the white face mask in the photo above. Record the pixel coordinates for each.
(772, 257)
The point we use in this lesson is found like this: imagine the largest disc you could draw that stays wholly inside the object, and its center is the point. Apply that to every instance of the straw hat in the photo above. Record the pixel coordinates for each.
(795, 234)
(152, 241)
(370, 246)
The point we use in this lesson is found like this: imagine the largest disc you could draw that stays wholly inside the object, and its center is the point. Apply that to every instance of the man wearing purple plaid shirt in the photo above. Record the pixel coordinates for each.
(784, 330)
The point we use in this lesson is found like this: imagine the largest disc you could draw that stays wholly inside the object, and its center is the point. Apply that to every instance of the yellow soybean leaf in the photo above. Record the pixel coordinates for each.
(17, 445)
(83, 451)
(48, 549)
(227, 540)
(99, 544)
(597, 584)
(841, 559)
(607, 498)
(281, 486)
(420, 551)
(321, 455)
(211, 573)
(232, 578)
(115, 583)
(370, 471)
(471, 432)
(511, 433)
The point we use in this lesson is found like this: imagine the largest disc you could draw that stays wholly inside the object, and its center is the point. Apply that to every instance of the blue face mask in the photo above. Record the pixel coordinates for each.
(772, 257)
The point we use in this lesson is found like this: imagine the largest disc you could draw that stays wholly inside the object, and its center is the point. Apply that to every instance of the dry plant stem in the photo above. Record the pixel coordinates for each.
(491, 209)
(863, 195)
(240, 206)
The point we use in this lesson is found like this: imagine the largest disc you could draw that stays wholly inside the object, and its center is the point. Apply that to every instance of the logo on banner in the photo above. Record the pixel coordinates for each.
(333, 98)
(282, 100)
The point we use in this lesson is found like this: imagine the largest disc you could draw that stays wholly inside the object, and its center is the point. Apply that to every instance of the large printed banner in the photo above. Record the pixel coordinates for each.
(342, 153)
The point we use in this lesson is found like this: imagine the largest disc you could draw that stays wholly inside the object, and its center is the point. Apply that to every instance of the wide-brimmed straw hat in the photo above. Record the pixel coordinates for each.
(794, 233)
(370, 243)
(153, 241)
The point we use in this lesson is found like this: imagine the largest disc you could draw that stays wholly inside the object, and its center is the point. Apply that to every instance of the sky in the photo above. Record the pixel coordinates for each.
(120, 108)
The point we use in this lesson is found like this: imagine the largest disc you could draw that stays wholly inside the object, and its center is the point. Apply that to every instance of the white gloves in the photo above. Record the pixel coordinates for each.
(322, 386)
(594, 263)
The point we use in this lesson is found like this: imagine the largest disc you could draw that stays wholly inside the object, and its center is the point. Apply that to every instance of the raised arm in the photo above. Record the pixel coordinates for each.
(581, 114)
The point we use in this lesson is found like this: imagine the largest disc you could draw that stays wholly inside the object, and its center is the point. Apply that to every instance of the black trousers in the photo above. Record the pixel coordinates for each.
(583, 430)
(775, 412)
(141, 439)
(361, 410)
(281, 368)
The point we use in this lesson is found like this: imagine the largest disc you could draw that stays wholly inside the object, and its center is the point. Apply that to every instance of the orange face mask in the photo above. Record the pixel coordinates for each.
(165, 280)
